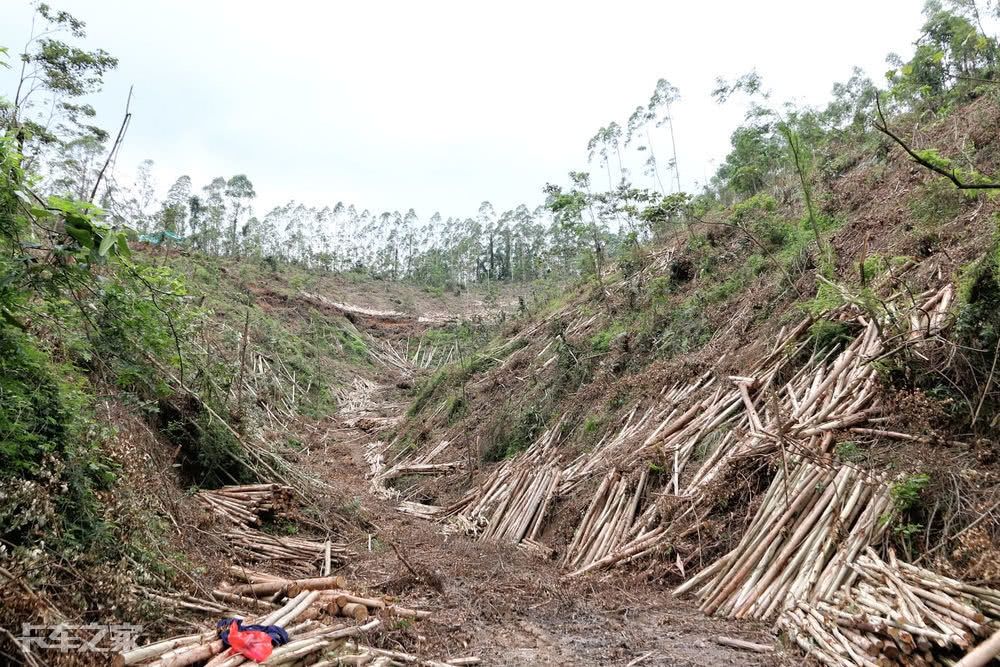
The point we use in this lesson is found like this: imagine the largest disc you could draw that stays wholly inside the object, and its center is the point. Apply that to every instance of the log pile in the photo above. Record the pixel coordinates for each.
(511, 503)
(334, 599)
(895, 614)
(353, 653)
(298, 553)
(245, 505)
(809, 529)
(356, 399)
(187, 602)
(197, 648)
(381, 474)
(753, 419)
(608, 520)
(431, 356)
(317, 613)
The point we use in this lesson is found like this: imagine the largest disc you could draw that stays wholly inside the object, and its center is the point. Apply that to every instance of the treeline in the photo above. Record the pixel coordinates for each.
(632, 193)
(517, 245)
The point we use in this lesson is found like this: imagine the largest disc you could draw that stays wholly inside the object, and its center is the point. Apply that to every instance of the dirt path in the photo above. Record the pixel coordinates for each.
(507, 606)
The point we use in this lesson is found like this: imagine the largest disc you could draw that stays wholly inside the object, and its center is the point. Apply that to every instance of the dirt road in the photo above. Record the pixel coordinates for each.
(507, 606)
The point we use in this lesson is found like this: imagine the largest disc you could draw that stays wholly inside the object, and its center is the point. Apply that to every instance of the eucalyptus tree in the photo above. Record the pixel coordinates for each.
(215, 214)
(240, 194)
(410, 240)
(639, 122)
(174, 210)
(574, 211)
(75, 168)
(664, 95)
(54, 74)
(606, 141)
(766, 123)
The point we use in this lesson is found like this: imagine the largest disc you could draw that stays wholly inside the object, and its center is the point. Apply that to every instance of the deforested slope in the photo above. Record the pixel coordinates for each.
(763, 432)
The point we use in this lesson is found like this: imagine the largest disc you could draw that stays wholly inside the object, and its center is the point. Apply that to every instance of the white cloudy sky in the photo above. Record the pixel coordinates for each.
(439, 105)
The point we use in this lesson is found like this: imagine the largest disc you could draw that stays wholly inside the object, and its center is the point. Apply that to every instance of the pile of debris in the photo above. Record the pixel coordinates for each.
(245, 507)
(895, 613)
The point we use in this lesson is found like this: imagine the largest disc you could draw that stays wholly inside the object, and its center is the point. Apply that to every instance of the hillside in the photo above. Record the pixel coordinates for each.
(753, 425)
(645, 426)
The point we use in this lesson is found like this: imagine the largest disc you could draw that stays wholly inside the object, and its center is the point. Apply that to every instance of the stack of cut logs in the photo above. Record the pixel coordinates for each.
(895, 614)
(334, 599)
(296, 552)
(308, 637)
(607, 521)
(317, 613)
(422, 465)
(513, 500)
(807, 532)
(244, 505)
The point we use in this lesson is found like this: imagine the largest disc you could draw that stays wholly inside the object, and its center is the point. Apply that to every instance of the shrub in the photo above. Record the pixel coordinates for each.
(601, 341)
(826, 334)
(50, 467)
(753, 208)
(518, 438)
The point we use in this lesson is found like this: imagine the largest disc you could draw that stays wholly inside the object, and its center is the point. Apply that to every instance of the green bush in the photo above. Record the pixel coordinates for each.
(426, 391)
(50, 465)
(33, 420)
(761, 205)
(601, 341)
(826, 334)
(456, 409)
(518, 437)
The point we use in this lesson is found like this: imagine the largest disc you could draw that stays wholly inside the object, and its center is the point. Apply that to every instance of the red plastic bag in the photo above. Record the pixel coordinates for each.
(253, 644)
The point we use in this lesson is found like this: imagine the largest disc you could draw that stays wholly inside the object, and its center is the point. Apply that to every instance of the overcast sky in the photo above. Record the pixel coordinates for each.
(440, 105)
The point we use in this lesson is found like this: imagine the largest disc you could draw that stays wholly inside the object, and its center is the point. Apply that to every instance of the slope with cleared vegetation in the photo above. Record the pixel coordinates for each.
(754, 426)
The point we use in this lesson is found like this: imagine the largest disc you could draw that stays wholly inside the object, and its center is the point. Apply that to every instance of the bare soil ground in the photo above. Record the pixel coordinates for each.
(512, 608)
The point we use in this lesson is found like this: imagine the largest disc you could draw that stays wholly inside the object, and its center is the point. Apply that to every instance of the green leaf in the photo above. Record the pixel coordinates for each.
(109, 239)
(83, 236)
(123, 250)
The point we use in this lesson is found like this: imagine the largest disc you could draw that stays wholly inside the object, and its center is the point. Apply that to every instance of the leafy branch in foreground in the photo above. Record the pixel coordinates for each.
(931, 160)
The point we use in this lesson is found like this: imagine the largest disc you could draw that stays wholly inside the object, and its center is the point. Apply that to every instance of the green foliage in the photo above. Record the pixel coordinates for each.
(760, 205)
(218, 456)
(950, 62)
(683, 329)
(755, 157)
(426, 391)
(354, 345)
(849, 451)
(456, 409)
(658, 291)
(734, 284)
(667, 212)
(602, 340)
(518, 437)
(33, 419)
(48, 443)
(936, 203)
(905, 494)
(872, 267)
(827, 334)
(827, 298)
